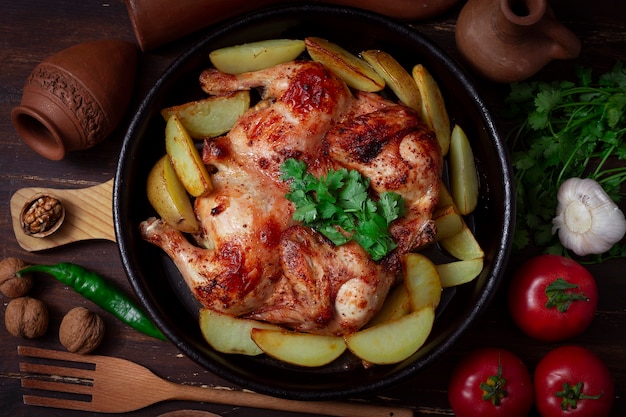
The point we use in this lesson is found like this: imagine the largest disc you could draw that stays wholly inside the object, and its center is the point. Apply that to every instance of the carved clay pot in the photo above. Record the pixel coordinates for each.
(75, 98)
(510, 40)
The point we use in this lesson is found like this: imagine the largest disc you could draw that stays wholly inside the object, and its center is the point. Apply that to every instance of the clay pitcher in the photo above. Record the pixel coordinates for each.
(510, 40)
(75, 98)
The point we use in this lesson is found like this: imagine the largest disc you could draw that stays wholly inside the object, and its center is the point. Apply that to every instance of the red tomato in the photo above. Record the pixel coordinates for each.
(490, 382)
(573, 381)
(552, 298)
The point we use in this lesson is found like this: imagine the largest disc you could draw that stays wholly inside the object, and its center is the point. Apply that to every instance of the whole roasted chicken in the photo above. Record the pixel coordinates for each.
(251, 259)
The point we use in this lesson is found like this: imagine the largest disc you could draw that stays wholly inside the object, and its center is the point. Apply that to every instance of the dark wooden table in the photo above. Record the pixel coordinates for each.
(31, 30)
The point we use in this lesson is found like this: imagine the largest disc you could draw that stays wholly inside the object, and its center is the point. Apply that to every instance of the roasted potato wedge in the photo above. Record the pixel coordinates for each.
(463, 245)
(169, 198)
(357, 73)
(392, 341)
(256, 56)
(302, 349)
(463, 174)
(422, 281)
(396, 305)
(212, 116)
(434, 112)
(229, 334)
(459, 272)
(445, 198)
(186, 159)
(448, 221)
(396, 77)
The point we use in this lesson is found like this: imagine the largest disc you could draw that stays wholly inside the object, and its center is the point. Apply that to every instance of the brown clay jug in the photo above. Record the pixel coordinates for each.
(75, 98)
(511, 40)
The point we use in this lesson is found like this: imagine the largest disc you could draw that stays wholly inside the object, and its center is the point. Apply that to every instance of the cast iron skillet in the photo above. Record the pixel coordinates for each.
(157, 282)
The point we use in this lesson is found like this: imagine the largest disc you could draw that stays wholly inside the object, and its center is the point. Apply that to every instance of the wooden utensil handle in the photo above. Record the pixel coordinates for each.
(89, 215)
(254, 400)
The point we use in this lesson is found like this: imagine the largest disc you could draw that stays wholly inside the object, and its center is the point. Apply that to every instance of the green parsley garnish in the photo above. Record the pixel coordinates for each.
(565, 129)
(338, 206)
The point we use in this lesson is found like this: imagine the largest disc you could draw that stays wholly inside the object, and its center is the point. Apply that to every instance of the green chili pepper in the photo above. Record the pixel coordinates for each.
(101, 292)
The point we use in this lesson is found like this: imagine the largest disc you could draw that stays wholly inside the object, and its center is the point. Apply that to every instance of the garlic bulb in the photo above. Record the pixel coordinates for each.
(588, 221)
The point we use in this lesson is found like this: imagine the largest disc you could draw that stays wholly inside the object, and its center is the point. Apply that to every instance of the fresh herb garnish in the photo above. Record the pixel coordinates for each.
(338, 206)
(565, 129)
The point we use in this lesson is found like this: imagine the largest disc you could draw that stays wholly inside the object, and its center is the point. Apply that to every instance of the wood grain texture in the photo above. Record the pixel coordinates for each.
(141, 388)
(32, 30)
(88, 215)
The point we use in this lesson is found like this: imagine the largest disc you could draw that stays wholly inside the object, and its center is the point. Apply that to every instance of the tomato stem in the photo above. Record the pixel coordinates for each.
(493, 388)
(571, 394)
(560, 297)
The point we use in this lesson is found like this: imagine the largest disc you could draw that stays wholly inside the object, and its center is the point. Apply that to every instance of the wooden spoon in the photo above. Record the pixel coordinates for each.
(88, 215)
(189, 413)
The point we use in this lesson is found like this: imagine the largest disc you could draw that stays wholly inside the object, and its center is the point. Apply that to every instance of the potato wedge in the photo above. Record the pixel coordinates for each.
(396, 305)
(256, 56)
(357, 73)
(434, 112)
(422, 281)
(459, 272)
(186, 159)
(463, 174)
(463, 245)
(445, 198)
(212, 116)
(396, 77)
(392, 341)
(228, 334)
(448, 221)
(169, 198)
(302, 349)
(181, 199)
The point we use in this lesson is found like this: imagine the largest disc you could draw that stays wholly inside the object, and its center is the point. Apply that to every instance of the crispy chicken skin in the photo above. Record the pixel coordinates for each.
(397, 153)
(299, 104)
(255, 261)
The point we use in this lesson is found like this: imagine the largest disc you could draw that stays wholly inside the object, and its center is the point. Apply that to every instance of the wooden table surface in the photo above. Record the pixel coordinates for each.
(31, 30)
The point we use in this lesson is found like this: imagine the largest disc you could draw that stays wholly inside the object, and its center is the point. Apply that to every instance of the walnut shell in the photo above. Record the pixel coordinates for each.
(42, 215)
(81, 330)
(26, 317)
(11, 285)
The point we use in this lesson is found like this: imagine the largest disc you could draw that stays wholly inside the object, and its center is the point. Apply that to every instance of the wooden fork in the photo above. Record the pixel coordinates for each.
(117, 385)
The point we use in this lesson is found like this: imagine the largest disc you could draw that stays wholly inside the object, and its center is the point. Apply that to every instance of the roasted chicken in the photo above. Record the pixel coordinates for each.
(251, 258)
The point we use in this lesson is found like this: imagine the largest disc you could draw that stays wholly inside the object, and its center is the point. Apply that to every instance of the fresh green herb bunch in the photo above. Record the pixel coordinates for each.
(565, 129)
(338, 205)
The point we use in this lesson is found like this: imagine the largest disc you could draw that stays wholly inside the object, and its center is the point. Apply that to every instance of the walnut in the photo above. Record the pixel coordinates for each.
(26, 317)
(11, 285)
(42, 215)
(81, 330)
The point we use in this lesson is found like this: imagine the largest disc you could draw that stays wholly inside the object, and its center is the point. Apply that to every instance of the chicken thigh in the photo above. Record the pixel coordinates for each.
(255, 261)
(242, 220)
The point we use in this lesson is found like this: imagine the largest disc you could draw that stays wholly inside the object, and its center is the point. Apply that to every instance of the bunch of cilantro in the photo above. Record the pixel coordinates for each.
(338, 205)
(565, 129)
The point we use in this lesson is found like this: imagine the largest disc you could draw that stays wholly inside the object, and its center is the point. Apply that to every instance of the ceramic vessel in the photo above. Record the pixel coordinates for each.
(153, 27)
(510, 40)
(75, 98)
